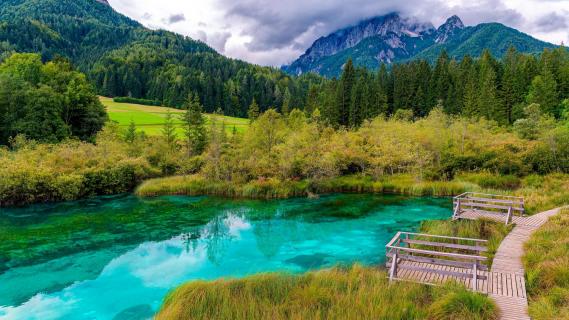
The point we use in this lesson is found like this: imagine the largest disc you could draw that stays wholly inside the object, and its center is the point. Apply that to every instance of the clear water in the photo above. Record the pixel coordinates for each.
(117, 257)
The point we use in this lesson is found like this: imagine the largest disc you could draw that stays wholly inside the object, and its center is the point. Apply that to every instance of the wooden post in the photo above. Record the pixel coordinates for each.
(393, 270)
(474, 277)
(509, 217)
(457, 209)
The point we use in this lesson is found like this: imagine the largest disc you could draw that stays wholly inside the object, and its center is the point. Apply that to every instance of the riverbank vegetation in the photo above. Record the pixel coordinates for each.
(339, 293)
(283, 156)
(304, 151)
(547, 269)
(298, 155)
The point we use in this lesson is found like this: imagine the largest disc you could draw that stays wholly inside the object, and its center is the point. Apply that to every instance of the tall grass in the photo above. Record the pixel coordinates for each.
(540, 192)
(275, 188)
(547, 269)
(492, 231)
(353, 293)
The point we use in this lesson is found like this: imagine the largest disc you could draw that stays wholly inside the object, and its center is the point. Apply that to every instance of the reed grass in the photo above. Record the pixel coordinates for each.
(339, 293)
(546, 262)
(486, 229)
(274, 188)
(540, 192)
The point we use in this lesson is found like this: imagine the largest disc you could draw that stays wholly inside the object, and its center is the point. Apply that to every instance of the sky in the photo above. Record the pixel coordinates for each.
(272, 32)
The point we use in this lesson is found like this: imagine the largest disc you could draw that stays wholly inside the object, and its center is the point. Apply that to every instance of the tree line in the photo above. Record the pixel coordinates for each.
(47, 102)
(497, 90)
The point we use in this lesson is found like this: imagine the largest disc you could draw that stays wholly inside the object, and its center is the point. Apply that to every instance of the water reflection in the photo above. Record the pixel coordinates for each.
(123, 281)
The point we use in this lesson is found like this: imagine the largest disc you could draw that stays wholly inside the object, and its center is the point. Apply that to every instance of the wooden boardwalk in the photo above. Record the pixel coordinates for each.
(504, 283)
(508, 260)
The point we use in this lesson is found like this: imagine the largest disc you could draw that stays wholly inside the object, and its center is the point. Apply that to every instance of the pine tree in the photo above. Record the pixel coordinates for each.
(543, 91)
(379, 105)
(311, 100)
(355, 111)
(344, 93)
(489, 104)
(169, 131)
(441, 79)
(253, 112)
(286, 102)
(130, 134)
(194, 126)
(509, 91)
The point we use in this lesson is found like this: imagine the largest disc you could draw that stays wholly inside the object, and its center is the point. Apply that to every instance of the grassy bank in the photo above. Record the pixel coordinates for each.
(540, 192)
(354, 293)
(274, 188)
(547, 269)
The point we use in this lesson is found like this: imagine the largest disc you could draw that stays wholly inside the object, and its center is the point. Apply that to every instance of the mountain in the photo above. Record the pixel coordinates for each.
(392, 38)
(123, 58)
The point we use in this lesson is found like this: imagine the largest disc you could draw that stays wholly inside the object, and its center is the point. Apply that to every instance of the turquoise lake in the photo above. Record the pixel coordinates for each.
(117, 257)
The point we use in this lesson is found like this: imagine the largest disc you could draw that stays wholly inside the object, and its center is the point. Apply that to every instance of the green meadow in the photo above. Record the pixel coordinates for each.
(150, 119)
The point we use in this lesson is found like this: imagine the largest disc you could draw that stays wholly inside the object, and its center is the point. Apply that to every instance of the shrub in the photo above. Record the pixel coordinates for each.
(145, 102)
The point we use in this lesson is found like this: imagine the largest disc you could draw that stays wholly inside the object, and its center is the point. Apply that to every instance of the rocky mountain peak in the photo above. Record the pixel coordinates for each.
(448, 29)
(105, 2)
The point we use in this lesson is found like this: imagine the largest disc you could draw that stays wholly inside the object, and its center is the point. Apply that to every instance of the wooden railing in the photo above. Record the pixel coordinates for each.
(433, 252)
(505, 206)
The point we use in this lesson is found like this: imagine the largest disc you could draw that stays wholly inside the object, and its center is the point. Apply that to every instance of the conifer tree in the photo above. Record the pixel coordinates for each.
(169, 131)
(286, 102)
(488, 100)
(130, 134)
(311, 100)
(344, 94)
(543, 91)
(253, 112)
(194, 126)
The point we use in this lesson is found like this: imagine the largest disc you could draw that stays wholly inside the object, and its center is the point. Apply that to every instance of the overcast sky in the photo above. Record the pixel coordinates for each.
(272, 32)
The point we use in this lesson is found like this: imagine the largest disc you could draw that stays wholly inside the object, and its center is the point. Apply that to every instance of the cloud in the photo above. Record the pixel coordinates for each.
(552, 22)
(276, 32)
(175, 18)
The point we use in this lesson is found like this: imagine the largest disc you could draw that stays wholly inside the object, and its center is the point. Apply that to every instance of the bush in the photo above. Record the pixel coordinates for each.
(145, 102)
(491, 181)
(69, 170)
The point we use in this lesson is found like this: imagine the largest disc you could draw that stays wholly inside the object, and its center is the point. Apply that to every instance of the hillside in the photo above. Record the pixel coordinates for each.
(151, 119)
(123, 58)
(392, 38)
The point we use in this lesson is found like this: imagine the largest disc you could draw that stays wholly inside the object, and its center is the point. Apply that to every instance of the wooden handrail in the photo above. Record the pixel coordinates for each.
(446, 245)
(493, 200)
(489, 194)
(442, 254)
(442, 237)
(490, 206)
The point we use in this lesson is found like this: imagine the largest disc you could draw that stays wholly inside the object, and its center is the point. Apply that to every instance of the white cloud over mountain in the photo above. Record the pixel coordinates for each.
(276, 32)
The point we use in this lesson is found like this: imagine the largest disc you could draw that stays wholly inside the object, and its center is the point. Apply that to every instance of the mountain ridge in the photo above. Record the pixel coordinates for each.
(394, 38)
(121, 57)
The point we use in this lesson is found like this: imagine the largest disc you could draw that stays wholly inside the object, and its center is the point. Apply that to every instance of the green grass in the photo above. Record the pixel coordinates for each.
(492, 231)
(274, 188)
(547, 269)
(540, 192)
(338, 293)
(150, 119)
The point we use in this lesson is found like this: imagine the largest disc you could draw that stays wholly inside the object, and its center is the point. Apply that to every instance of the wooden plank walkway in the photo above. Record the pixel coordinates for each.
(508, 259)
(505, 282)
